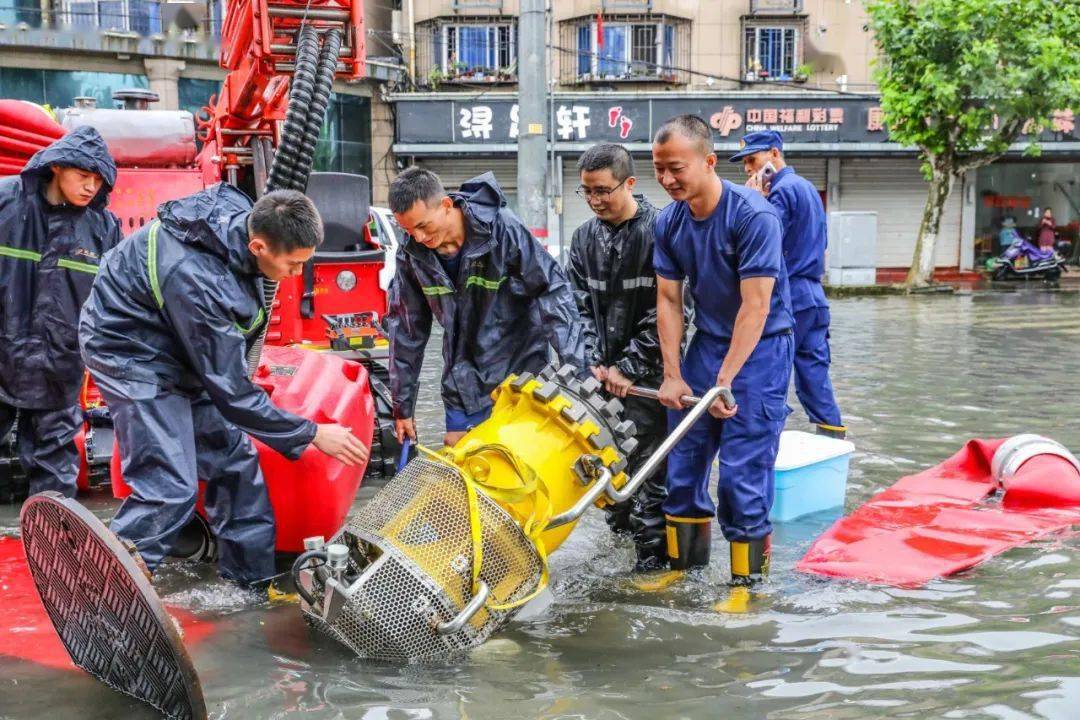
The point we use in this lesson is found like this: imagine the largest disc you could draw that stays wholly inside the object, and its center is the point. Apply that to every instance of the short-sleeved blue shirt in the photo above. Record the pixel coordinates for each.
(741, 239)
(805, 237)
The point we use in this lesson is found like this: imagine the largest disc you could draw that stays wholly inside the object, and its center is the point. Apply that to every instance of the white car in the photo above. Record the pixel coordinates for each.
(388, 233)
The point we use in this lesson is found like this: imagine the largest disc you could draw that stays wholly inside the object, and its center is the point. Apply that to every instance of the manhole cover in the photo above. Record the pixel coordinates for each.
(104, 609)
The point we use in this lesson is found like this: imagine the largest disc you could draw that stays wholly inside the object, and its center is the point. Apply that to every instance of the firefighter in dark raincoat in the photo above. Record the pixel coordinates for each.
(54, 229)
(611, 269)
(501, 299)
(165, 332)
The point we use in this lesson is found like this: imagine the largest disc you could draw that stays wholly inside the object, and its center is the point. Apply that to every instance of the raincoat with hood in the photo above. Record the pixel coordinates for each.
(611, 270)
(164, 335)
(48, 258)
(510, 301)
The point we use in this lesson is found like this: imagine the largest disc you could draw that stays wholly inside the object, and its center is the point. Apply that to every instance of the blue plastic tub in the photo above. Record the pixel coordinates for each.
(811, 474)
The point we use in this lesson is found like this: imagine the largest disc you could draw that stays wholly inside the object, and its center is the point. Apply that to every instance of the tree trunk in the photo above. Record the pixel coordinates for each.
(922, 264)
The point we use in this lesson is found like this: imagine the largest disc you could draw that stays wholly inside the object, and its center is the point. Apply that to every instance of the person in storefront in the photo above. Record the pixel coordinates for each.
(54, 229)
(165, 332)
(725, 242)
(1047, 230)
(611, 269)
(805, 239)
(503, 302)
(1008, 234)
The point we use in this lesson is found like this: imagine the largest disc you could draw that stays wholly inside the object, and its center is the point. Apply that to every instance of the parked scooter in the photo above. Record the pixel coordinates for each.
(1023, 260)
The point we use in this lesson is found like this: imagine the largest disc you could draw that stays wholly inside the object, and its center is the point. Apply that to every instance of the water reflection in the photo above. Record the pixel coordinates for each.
(916, 377)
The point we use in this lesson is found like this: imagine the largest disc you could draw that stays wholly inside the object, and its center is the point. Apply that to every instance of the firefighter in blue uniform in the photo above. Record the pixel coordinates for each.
(805, 240)
(172, 314)
(54, 229)
(724, 241)
(502, 300)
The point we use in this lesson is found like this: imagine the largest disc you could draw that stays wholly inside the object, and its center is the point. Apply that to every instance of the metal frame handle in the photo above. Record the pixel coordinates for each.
(599, 487)
(602, 485)
(462, 618)
(653, 463)
(649, 393)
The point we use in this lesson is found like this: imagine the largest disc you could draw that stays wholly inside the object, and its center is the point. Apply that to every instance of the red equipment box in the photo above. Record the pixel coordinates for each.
(312, 495)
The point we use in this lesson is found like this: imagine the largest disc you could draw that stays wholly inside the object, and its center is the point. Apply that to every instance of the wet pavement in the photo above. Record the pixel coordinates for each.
(916, 378)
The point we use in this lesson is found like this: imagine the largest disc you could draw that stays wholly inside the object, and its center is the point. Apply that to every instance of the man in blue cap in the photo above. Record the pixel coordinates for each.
(805, 238)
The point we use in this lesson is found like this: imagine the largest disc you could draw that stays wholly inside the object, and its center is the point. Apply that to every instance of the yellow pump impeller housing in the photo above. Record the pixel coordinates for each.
(449, 550)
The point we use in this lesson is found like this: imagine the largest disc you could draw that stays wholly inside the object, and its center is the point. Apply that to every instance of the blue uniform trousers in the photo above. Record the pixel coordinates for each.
(747, 443)
(457, 420)
(812, 357)
(46, 446)
(168, 442)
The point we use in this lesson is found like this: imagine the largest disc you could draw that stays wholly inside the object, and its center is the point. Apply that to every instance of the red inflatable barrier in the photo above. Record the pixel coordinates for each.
(26, 631)
(936, 523)
(25, 128)
(312, 495)
(29, 117)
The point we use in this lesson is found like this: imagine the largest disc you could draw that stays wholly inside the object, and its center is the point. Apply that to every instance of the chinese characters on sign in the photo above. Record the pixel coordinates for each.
(579, 120)
(572, 122)
(475, 122)
(791, 119)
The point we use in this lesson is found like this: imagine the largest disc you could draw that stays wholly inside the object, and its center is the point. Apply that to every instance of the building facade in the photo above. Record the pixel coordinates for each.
(52, 51)
(620, 67)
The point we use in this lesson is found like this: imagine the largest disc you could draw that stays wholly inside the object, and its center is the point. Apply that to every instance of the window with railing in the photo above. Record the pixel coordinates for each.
(633, 48)
(138, 16)
(772, 50)
(479, 50)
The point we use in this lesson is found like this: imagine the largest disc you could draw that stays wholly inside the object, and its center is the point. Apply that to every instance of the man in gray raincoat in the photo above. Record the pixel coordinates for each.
(165, 332)
(54, 229)
(501, 299)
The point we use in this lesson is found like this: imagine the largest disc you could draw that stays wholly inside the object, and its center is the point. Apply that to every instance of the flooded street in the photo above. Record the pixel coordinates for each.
(916, 378)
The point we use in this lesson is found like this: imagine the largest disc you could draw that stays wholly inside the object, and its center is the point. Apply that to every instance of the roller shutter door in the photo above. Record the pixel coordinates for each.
(896, 190)
(454, 171)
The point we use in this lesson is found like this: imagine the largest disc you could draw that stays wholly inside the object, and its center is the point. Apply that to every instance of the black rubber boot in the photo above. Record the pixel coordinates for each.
(618, 517)
(749, 566)
(833, 431)
(196, 542)
(688, 541)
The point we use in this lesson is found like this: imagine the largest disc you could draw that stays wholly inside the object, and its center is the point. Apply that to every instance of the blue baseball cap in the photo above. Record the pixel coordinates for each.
(758, 142)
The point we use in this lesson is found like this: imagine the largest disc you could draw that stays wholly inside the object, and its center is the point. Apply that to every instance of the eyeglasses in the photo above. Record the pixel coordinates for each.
(599, 193)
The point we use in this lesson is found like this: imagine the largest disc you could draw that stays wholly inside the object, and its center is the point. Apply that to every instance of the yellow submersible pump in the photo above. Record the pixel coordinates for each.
(448, 551)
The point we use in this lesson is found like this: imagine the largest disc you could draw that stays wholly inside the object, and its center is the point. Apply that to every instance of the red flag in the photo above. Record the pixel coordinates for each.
(599, 30)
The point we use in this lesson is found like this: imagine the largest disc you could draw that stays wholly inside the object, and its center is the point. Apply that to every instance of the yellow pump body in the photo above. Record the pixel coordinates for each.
(458, 540)
(528, 435)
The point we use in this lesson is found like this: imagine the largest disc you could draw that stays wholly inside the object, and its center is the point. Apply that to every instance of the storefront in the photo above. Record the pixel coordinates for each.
(1013, 197)
(837, 141)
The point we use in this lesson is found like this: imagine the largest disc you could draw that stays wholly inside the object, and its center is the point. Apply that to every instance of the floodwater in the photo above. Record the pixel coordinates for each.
(916, 378)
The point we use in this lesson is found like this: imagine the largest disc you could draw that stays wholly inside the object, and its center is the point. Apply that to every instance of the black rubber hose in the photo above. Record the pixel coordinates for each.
(320, 100)
(280, 174)
(298, 565)
(300, 92)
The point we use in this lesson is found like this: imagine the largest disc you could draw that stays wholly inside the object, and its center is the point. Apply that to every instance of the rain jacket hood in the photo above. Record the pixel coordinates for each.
(49, 256)
(509, 304)
(83, 148)
(481, 199)
(214, 222)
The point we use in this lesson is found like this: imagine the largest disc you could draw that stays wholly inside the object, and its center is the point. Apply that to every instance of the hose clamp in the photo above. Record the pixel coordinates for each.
(1018, 449)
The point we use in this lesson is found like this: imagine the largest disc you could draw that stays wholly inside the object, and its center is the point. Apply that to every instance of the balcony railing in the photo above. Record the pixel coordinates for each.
(766, 7)
(123, 26)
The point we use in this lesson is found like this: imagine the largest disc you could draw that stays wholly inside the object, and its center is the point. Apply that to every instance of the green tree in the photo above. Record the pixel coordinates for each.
(962, 79)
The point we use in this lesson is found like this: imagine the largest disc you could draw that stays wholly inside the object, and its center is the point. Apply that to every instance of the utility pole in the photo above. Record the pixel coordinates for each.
(532, 114)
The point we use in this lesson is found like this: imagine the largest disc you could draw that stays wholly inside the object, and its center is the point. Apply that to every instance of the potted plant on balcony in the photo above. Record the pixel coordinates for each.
(803, 72)
(434, 77)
